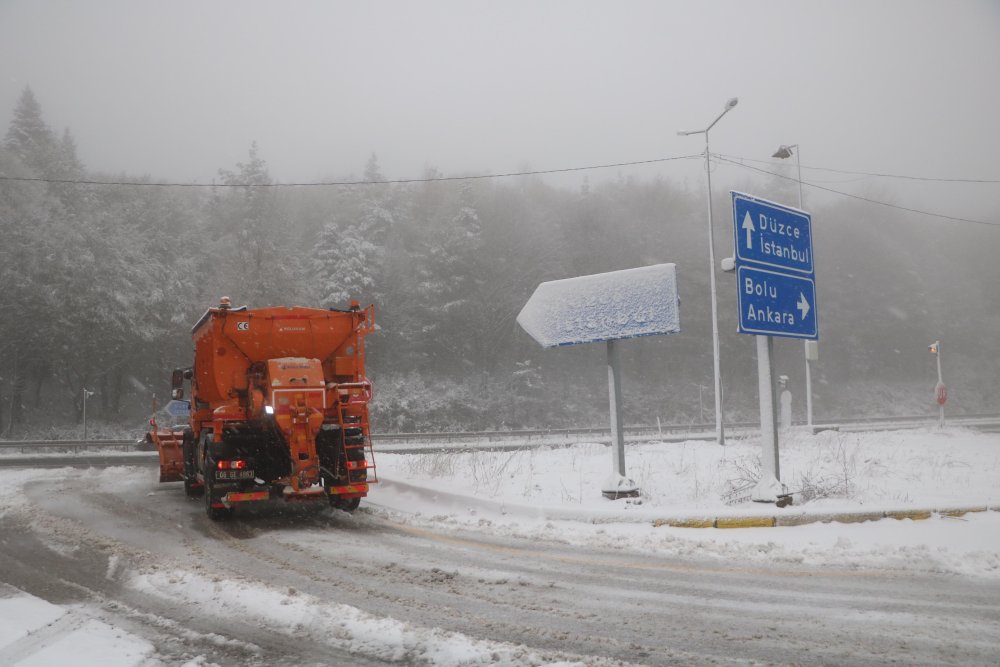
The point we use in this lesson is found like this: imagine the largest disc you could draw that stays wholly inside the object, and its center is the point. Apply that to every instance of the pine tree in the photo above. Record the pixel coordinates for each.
(344, 264)
(29, 138)
(252, 244)
(68, 165)
(453, 286)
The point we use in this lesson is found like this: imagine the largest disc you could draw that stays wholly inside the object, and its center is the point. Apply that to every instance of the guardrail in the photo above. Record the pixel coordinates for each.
(987, 421)
(26, 446)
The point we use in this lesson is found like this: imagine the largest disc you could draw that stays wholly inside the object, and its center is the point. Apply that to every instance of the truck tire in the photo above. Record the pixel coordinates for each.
(192, 488)
(214, 513)
(345, 504)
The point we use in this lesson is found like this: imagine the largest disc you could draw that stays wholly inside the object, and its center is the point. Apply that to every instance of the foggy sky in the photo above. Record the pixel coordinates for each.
(179, 89)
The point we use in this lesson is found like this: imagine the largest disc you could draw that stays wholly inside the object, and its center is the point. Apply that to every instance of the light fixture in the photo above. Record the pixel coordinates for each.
(783, 152)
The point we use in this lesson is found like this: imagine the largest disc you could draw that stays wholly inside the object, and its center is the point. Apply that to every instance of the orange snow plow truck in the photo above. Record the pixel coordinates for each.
(278, 409)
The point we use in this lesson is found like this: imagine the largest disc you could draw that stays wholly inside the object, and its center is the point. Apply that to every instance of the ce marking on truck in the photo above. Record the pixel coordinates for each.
(243, 326)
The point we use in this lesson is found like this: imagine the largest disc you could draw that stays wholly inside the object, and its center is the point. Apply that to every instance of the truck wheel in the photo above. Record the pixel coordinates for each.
(345, 504)
(192, 489)
(214, 513)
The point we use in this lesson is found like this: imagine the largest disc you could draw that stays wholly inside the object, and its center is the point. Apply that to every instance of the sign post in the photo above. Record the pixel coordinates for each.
(769, 464)
(617, 426)
(776, 296)
(606, 307)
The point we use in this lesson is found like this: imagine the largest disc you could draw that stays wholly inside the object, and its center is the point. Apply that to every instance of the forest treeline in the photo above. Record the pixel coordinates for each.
(99, 286)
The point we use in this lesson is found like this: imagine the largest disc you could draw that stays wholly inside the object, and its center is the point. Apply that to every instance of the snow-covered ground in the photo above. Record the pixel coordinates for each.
(830, 471)
(34, 633)
(556, 494)
(550, 495)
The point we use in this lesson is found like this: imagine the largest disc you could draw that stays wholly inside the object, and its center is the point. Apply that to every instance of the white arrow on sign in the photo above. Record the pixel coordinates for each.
(803, 305)
(748, 226)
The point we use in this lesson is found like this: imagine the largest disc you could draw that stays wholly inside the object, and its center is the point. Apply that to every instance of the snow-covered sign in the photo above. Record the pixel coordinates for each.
(604, 306)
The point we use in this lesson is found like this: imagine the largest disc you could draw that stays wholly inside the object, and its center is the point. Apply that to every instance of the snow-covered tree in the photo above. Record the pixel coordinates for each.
(343, 264)
(250, 240)
(29, 137)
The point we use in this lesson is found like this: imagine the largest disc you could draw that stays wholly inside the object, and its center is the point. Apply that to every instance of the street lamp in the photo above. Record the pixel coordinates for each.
(785, 152)
(811, 349)
(719, 428)
(86, 394)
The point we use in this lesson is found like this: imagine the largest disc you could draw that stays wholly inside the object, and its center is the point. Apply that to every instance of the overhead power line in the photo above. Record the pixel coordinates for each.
(858, 197)
(434, 179)
(735, 160)
(872, 173)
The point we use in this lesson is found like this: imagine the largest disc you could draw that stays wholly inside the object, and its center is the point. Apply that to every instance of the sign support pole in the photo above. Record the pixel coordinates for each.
(812, 354)
(809, 393)
(618, 485)
(615, 393)
(768, 488)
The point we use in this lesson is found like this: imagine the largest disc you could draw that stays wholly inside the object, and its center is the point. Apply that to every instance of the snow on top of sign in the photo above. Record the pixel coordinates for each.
(604, 306)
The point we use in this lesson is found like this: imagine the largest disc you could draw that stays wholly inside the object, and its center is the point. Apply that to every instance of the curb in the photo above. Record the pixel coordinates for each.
(914, 515)
(770, 521)
(785, 517)
(745, 522)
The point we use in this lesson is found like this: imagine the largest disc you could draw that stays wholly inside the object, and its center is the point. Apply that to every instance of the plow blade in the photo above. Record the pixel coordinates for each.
(170, 446)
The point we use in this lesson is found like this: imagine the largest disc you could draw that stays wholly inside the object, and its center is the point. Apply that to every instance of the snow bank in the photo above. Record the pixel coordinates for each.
(554, 494)
(36, 633)
(344, 627)
(828, 472)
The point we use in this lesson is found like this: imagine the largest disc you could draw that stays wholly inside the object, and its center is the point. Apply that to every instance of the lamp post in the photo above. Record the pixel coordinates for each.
(785, 152)
(720, 436)
(86, 394)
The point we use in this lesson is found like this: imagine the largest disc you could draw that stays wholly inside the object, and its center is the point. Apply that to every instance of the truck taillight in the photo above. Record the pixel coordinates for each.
(231, 465)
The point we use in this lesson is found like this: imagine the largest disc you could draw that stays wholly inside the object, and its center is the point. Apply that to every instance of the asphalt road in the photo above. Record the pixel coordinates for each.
(81, 535)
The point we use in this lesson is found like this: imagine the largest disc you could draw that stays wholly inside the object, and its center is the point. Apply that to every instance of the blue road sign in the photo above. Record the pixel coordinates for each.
(604, 306)
(178, 409)
(775, 270)
(773, 303)
(772, 236)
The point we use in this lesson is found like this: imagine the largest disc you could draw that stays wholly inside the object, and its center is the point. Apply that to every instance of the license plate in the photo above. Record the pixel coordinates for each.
(234, 474)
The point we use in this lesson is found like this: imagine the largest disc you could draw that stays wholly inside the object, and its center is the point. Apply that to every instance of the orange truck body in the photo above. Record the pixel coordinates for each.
(278, 408)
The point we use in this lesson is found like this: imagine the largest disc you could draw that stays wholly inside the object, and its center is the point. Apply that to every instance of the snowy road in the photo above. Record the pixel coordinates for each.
(307, 585)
